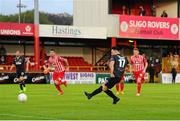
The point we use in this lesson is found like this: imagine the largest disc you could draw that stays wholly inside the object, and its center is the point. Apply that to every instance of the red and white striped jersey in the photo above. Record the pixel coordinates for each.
(57, 63)
(138, 62)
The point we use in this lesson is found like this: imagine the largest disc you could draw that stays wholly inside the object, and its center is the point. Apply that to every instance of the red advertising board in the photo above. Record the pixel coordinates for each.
(149, 27)
(16, 29)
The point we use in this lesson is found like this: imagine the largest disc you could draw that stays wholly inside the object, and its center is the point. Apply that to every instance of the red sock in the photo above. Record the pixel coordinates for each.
(139, 87)
(117, 87)
(122, 86)
(64, 83)
(59, 88)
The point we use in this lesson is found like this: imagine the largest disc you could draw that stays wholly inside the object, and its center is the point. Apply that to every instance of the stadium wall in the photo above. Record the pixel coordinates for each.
(11, 49)
(94, 13)
(170, 6)
(87, 52)
(63, 51)
(67, 51)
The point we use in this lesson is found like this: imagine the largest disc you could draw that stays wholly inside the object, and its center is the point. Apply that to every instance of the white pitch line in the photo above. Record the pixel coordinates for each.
(24, 116)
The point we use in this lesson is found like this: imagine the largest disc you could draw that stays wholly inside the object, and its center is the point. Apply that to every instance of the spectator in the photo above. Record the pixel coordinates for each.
(153, 10)
(164, 14)
(171, 57)
(142, 11)
(3, 50)
(124, 10)
(176, 55)
(2, 60)
(3, 53)
(157, 66)
(168, 63)
(151, 69)
(174, 64)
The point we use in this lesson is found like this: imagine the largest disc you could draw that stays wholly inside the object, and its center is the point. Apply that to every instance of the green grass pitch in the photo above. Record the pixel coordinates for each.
(157, 101)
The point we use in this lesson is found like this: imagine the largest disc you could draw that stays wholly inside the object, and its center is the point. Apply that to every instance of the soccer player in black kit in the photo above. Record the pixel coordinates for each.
(117, 67)
(19, 63)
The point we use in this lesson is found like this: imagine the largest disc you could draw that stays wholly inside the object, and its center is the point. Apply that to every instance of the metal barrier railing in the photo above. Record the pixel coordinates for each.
(6, 68)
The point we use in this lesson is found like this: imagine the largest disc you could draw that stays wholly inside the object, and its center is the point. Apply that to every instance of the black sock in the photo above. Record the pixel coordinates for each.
(21, 86)
(97, 91)
(110, 94)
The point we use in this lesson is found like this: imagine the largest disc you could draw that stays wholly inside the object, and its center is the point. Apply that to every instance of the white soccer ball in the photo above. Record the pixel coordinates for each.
(22, 97)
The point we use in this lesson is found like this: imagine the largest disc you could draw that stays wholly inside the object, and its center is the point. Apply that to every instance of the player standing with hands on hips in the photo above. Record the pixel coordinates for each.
(117, 67)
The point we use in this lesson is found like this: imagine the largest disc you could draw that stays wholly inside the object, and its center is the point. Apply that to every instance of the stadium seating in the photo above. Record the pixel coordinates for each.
(75, 63)
(78, 64)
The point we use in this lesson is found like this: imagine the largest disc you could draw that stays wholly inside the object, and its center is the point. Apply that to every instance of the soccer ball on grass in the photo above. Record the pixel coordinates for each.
(22, 97)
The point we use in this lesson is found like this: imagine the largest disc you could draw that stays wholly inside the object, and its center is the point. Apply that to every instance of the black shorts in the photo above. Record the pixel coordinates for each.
(19, 74)
(112, 81)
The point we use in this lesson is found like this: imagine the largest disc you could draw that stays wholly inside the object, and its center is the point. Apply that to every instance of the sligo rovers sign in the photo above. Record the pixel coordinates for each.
(149, 27)
(16, 29)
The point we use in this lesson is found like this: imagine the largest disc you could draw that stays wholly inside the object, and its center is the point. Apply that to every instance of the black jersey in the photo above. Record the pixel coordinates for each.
(19, 62)
(119, 65)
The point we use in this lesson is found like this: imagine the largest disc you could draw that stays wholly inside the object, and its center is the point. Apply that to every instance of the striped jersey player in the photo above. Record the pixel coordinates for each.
(138, 65)
(57, 65)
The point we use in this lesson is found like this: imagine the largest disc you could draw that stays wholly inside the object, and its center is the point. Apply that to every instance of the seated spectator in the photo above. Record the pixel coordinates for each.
(142, 11)
(153, 10)
(164, 14)
(3, 53)
(2, 59)
(124, 10)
